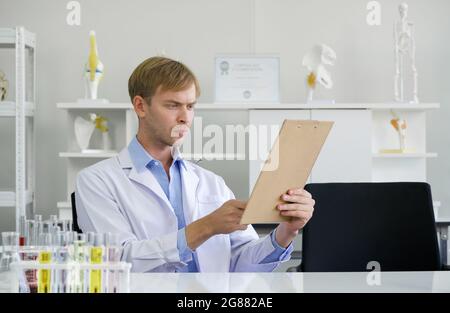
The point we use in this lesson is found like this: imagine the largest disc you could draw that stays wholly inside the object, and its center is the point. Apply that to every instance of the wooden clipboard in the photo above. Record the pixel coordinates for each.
(289, 164)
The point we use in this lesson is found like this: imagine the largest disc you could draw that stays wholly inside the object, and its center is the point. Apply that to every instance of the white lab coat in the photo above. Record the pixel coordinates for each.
(112, 196)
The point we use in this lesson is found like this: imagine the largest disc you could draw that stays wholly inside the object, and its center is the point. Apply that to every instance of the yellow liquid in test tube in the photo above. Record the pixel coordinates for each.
(44, 274)
(96, 275)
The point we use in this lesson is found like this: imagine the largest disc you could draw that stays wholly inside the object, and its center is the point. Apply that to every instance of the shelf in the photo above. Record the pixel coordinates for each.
(443, 220)
(404, 155)
(8, 109)
(93, 106)
(8, 36)
(102, 155)
(8, 198)
(293, 106)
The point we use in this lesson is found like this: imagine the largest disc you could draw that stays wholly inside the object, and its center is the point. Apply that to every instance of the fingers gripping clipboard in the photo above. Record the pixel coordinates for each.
(289, 164)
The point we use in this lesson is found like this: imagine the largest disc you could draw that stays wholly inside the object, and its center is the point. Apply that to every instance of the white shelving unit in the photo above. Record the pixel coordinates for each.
(122, 125)
(23, 43)
(360, 131)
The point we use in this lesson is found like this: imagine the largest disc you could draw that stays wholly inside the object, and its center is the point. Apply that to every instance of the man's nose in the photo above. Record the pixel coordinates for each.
(183, 116)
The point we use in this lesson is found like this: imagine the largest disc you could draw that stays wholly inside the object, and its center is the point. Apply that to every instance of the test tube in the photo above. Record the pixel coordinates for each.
(37, 229)
(47, 227)
(22, 226)
(79, 244)
(10, 242)
(96, 257)
(45, 257)
(53, 219)
(27, 232)
(29, 254)
(62, 256)
(90, 238)
(114, 252)
(66, 225)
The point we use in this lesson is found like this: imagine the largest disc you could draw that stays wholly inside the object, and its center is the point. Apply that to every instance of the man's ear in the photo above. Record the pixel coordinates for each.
(139, 106)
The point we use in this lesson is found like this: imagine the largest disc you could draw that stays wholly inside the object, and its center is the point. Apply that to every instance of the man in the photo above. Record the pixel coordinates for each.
(172, 215)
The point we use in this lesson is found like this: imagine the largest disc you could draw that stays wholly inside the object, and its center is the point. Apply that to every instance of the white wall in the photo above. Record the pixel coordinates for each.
(194, 31)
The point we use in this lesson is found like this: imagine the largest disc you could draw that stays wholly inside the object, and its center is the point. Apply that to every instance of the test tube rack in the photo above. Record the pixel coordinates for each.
(119, 271)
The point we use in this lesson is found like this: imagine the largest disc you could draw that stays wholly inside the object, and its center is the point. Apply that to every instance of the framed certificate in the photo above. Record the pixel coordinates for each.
(247, 79)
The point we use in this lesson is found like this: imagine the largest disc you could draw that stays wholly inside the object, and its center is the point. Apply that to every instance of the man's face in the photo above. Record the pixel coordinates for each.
(169, 116)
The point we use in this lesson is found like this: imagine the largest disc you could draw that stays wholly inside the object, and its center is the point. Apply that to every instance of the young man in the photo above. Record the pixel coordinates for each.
(172, 215)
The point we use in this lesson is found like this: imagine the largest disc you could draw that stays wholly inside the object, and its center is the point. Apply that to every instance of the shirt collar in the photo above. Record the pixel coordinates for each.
(141, 158)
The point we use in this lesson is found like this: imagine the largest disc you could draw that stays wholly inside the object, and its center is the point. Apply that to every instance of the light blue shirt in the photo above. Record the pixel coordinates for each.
(173, 190)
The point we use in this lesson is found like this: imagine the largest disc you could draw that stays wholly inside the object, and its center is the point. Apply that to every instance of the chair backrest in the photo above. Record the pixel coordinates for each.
(356, 223)
(74, 214)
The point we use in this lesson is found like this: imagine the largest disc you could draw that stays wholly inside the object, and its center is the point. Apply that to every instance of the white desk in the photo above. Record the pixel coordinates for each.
(289, 282)
(279, 282)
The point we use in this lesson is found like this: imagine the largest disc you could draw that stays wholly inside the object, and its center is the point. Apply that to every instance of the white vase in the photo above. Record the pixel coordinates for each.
(83, 132)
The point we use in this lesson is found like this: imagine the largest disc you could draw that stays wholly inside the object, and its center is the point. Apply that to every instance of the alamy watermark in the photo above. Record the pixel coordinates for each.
(232, 142)
(374, 277)
(73, 17)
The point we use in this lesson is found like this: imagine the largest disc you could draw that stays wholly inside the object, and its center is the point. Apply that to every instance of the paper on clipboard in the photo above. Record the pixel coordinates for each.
(289, 164)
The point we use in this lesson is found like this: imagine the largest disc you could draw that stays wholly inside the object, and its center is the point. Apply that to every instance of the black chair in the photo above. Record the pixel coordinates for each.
(74, 214)
(356, 223)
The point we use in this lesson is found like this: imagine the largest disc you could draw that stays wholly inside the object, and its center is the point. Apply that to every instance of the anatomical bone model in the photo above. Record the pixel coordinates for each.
(405, 47)
(93, 69)
(315, 61)
(3, 86)
(400, 126)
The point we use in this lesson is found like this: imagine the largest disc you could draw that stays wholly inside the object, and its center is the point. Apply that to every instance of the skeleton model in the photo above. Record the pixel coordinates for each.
(315, 61)
(93, 69)
(405, 46)
(3, 86)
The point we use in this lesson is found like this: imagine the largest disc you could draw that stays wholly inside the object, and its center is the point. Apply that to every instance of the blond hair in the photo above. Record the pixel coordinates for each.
(160, 71)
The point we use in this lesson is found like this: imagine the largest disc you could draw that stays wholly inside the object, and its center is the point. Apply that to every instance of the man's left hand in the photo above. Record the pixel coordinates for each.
(299, 207)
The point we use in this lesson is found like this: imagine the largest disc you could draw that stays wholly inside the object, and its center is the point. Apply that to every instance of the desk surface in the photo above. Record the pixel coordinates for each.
(290, 282)
(281, 282)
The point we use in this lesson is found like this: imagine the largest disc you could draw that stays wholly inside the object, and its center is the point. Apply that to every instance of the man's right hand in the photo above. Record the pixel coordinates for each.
(224, 220)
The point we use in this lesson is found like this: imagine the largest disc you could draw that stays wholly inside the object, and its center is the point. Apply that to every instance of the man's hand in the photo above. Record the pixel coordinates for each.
(299, 208)
(224, 220)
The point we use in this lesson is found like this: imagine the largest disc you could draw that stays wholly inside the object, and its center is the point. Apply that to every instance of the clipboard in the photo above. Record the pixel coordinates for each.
(288, 165)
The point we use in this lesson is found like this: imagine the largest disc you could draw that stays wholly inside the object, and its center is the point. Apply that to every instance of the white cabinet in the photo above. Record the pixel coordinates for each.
(22, 109)
(346, 155)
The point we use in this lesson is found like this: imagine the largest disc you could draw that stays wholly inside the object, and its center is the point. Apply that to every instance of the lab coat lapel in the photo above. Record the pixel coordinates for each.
(144, 177)
(189, 189)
